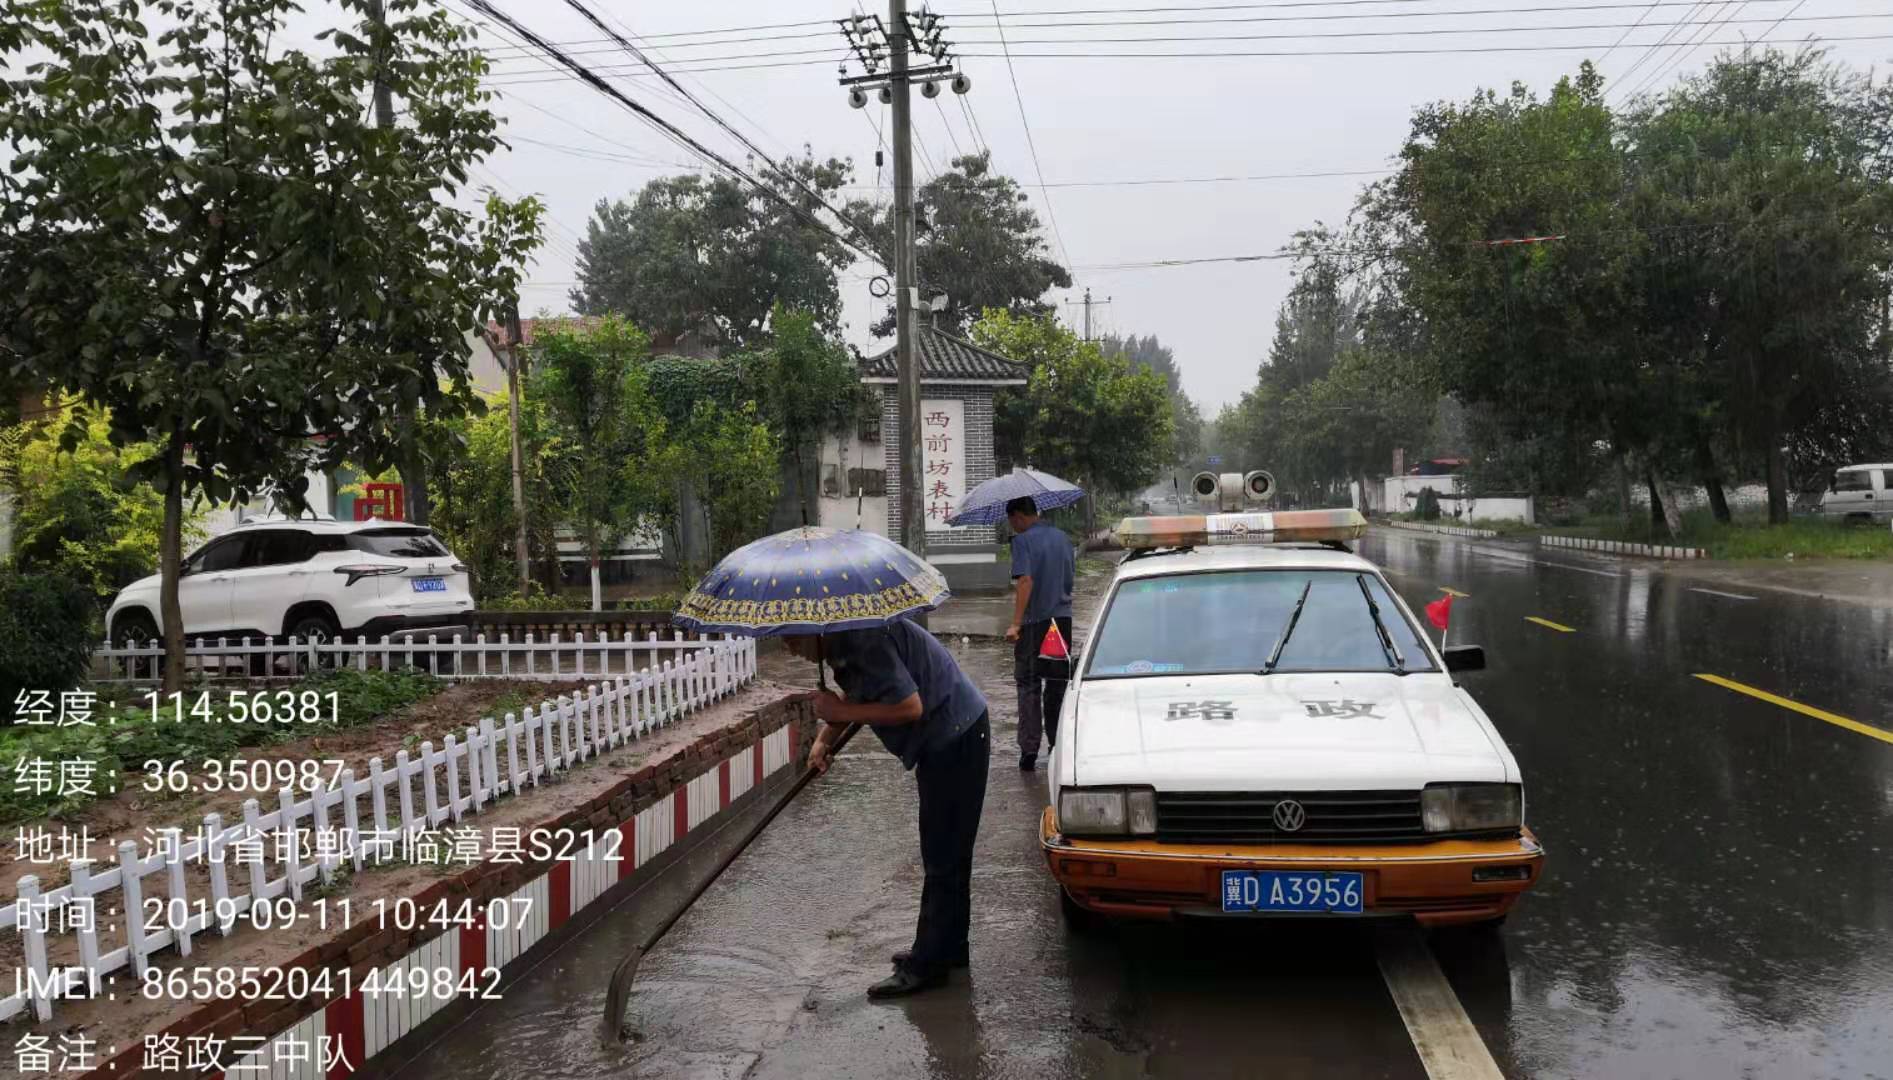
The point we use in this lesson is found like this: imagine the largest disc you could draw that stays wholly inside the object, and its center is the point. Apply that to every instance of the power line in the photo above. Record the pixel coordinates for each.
(606, 45)
(780, 172)
(1186, 8)
(725, 102)
(1030, 143)
(948, 125)
(1662, 42)
(1384, 52)
(582, 128)
(1689, 48)
(607, 72)
(1333, 16)
(1626, 34)
(601, 155)
(473, 18)
(671, 130)
(972, 123)
(672, 35)
(1410, 32)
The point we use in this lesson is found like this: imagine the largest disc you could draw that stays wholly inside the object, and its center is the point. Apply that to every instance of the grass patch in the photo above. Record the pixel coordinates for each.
(135, 735)
(1750, 538)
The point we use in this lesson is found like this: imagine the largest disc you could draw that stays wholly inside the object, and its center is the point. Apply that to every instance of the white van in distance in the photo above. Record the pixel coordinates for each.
(1859, 493)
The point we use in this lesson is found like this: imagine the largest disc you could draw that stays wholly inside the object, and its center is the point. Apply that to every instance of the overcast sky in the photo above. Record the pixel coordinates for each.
(1110, 119)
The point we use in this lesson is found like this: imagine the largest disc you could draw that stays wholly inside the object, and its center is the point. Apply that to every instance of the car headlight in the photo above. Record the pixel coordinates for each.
(1471, 807)
(1107, 811)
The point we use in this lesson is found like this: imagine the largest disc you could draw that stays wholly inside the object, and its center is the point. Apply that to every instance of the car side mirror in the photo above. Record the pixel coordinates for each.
(1464, 657)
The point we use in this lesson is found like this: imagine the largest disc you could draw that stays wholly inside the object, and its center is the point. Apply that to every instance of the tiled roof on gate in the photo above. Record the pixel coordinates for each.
(944, 357)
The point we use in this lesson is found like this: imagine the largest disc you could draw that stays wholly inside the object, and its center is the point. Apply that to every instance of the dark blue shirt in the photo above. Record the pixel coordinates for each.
(1043, 553)
(888, 664)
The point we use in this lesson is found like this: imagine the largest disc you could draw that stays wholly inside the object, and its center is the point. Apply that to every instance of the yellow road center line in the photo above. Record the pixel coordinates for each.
(1868, 730)
(1449, 591)
(1449, 1046)
(1560, 627)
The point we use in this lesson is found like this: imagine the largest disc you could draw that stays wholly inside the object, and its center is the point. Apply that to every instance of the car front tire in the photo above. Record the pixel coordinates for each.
(136, 629)
(318, 627)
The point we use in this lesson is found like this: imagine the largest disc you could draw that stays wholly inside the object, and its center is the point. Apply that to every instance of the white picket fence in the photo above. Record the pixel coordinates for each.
(504, 657)
(460, 778)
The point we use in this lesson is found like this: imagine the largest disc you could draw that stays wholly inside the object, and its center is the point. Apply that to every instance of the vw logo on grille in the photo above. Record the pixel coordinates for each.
(1289, 815)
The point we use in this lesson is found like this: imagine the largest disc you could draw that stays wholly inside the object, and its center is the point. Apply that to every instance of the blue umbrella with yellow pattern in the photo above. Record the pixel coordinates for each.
(811, 580)
(805, 581)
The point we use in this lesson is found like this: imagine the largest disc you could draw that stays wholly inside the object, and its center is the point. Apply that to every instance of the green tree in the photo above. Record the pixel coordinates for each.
(979, 243)
(728, 457)
(806, 386)
(476, 516)
(1083, 415)
(1545, 338)
(81, 514)
(690, 254)
(1185, 418)
(204, 233)
(594, 387)
(1763, 183)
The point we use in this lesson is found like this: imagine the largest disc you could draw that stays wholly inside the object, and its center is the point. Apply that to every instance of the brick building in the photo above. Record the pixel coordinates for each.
(860, 473)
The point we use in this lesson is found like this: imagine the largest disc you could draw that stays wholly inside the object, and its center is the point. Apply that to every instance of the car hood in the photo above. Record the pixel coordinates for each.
(147, 584)
(1283, 732)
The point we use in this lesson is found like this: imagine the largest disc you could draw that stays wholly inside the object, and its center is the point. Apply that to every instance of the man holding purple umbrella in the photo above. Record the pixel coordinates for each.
(899, 680)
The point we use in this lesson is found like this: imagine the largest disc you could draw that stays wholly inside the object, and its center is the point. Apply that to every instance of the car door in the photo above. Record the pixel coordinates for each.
(203, 592)
(1850, 494)
(274, 575)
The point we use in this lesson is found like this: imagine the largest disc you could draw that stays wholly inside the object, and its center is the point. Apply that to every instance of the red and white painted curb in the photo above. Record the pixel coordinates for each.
(337, 1040)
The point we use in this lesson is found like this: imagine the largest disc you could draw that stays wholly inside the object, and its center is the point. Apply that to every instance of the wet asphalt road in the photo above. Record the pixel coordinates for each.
(1718, 900)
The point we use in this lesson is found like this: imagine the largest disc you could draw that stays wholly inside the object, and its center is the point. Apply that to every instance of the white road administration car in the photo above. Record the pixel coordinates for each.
(1259, 726)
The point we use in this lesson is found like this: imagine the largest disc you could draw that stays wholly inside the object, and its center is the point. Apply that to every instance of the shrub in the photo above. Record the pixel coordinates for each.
(46, 633)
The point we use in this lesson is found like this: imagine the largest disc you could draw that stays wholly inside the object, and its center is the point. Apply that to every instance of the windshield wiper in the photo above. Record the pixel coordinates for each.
(1395, 662)
(1275, 654)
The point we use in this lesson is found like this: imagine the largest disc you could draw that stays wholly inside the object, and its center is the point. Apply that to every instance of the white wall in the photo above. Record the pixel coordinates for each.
(1401, 493)
(844, 511)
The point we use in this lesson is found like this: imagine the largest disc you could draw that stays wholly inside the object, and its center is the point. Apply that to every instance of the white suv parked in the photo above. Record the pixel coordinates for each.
(280, 578)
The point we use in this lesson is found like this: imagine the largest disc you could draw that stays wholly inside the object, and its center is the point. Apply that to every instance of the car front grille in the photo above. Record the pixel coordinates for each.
(1209, 817)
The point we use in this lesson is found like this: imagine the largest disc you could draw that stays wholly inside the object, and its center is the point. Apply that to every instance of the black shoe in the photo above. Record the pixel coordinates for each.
(906, 981)
(900, 959)
(1027, 761)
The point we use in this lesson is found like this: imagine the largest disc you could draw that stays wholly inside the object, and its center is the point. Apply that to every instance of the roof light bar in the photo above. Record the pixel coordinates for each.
(1277, 527)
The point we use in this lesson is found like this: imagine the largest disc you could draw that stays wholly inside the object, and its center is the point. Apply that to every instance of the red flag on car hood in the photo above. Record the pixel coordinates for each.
(1440, 611)
(1053, 647)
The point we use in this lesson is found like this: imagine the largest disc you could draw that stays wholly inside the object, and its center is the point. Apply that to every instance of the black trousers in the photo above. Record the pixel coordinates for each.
(952, 793)
(1039, 699)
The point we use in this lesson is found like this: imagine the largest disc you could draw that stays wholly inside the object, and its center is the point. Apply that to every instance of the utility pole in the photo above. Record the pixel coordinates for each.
(913, 516)
(412, 464)
(519, 468)
(1088, 305)
(900, 39)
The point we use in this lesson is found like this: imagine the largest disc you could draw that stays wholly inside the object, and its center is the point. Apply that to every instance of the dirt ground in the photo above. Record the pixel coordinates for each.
(125, 1015)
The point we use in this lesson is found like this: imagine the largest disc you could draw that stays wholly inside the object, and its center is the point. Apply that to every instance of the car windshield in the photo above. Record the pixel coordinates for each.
(1217, 622)
(409, 543)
